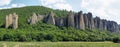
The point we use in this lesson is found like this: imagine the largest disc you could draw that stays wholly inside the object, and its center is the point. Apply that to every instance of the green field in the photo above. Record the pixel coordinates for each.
(59, 44)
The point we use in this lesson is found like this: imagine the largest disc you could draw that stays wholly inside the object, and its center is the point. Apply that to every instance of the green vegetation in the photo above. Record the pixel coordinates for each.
(25, 12)
(46, 32)
(59, 44)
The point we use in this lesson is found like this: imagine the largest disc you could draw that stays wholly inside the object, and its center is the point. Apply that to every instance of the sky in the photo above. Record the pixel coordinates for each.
(105, 9)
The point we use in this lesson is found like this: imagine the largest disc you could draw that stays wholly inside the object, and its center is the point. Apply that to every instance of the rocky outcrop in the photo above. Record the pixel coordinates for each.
(50, 19)
(104, 26)
(90, 21)
(59, 21)
(86, 20)
(12, 20)
(79, 21)
(98, 23)
(112, 26)
(70, 19)
(82, 21)
(35, 18)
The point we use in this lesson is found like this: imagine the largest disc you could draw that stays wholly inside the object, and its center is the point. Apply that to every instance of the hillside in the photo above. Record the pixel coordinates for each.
(25, 12)
(43, 31)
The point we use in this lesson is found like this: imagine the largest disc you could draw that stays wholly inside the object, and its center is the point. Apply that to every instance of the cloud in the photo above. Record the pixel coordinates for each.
(13, 6)
(4, 2)
(57, 4)
(63, 6)
(18, 5)
(49, 2)
(105, 9)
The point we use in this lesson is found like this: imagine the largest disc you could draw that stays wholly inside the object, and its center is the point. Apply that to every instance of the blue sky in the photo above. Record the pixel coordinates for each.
(105, 9)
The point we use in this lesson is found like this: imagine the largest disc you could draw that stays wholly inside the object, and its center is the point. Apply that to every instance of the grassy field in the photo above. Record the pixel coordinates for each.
(59, 44)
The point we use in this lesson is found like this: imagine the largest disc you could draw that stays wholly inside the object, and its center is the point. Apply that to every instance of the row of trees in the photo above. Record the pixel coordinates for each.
(63, 34)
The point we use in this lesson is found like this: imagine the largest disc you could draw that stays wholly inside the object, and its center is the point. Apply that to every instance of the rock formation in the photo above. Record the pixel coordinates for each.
(98, 23)
(82, 21)
(50, 18)
(112, 26)
(86, 21)
(12, 19)
(15, 21)
(59, 21)
(79, 21)
(90, 21)
(35, 18)
(104, 26)
(70, 19)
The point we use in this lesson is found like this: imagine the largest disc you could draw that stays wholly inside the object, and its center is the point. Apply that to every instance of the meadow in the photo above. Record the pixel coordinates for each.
(59, 44)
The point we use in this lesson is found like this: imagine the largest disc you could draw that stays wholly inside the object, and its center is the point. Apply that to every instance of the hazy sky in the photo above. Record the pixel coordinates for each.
(105, 9)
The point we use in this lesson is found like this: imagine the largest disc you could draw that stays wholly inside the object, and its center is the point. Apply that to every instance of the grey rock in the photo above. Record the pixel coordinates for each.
(50, 18)
(79, 21)
(35, 18)
(11, 19)
(90, 21)
(70, 19)
(59, 21)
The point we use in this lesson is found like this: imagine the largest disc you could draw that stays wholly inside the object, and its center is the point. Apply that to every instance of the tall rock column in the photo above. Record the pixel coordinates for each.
(79, 21)
(50, 18)
(12, 19)
(15, 21)
(76, 20)
(35, 18)
(104, 24)
(90, 21)
(86, 21)
(98, 23)
(70, 19)
(59, 21)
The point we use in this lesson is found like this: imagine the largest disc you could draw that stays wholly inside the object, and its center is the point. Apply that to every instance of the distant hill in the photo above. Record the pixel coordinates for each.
(56, 25)
(25, 12)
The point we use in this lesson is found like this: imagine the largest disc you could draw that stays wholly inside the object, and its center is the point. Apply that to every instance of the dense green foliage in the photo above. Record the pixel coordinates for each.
(46, 32)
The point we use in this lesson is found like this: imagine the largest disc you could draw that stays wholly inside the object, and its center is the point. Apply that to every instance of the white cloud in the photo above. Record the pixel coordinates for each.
(18, 5)
(48, 2)
(56, 4)
(14, 6)
(105, 9)
(63, 6)
(4, 2)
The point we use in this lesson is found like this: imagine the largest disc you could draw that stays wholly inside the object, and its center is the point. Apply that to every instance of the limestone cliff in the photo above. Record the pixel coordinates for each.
(11, 19)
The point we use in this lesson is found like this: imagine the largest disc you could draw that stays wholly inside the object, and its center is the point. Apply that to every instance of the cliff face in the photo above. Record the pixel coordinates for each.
(83, 21)
(78, 20)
